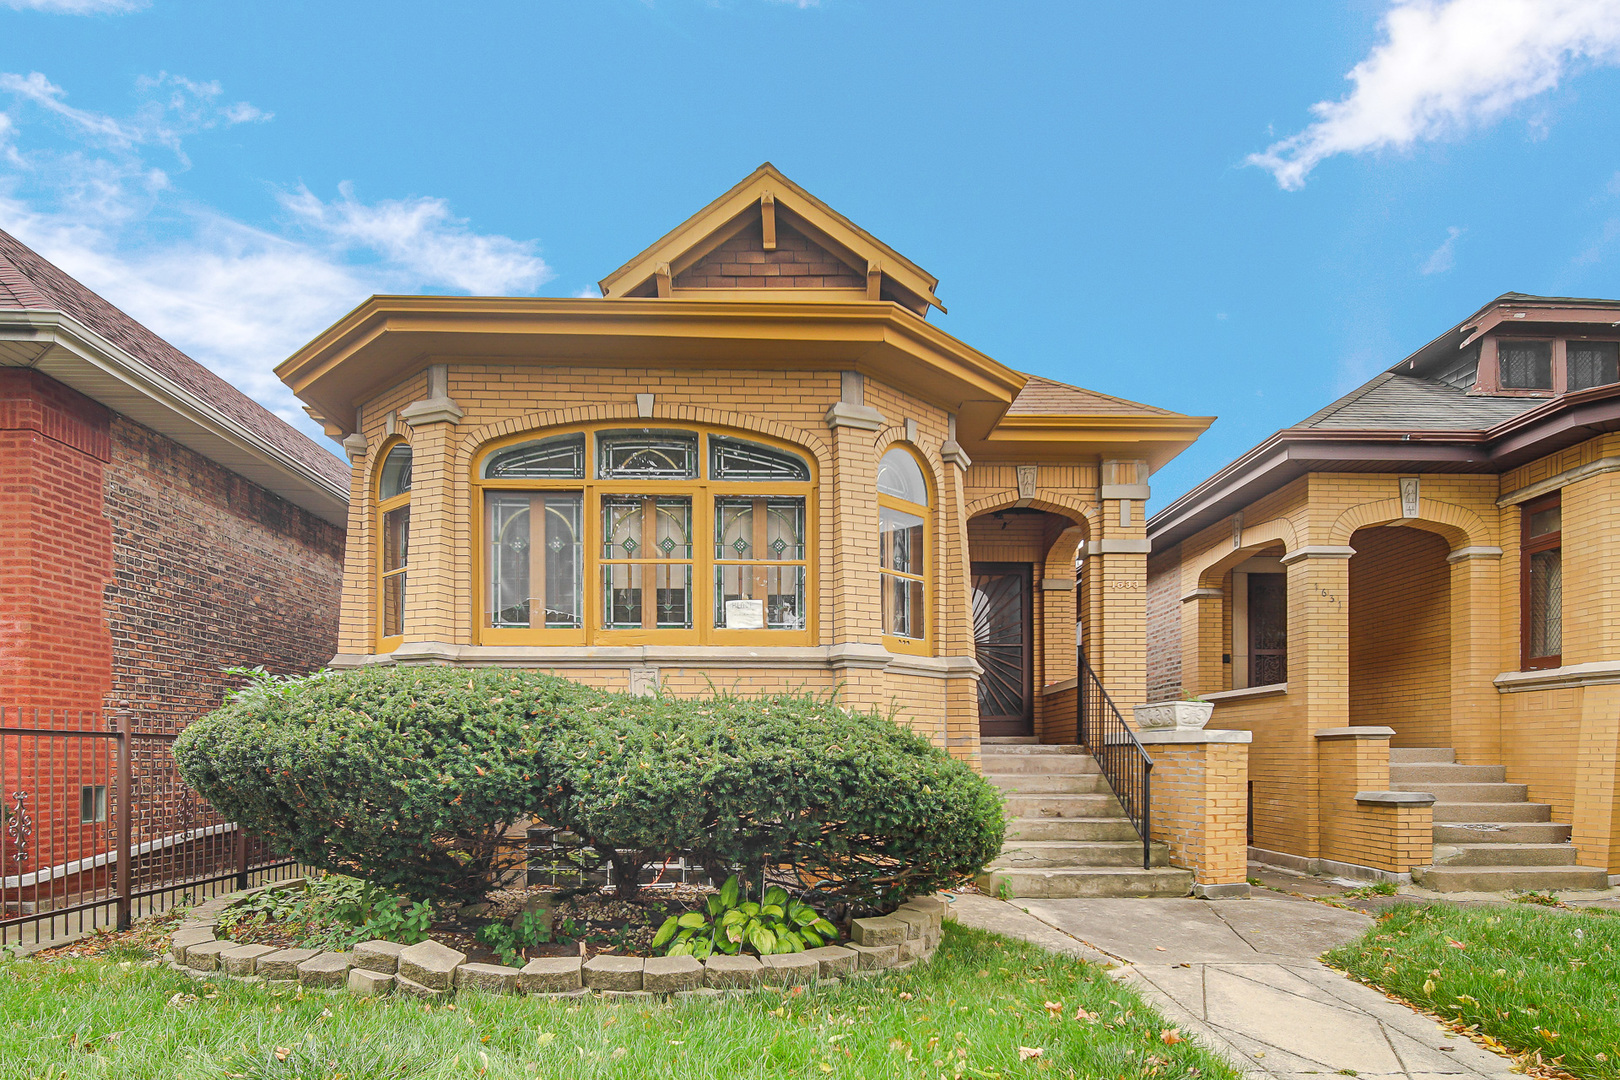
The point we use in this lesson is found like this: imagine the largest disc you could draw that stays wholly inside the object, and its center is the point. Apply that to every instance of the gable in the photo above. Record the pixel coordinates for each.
(797, 262)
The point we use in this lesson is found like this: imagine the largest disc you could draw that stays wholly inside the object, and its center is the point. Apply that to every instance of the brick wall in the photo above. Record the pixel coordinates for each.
(1400, 634)
(209, 571)
(743, 263)
(1164, 625)
(1200, 808)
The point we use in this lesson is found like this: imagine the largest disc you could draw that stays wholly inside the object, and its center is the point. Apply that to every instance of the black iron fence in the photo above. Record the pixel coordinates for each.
(97, 827)
(1122, 758)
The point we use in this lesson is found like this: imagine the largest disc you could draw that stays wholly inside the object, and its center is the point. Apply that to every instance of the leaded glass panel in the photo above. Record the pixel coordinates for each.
(1525, 365)
(647, 455)
(525, 576)
(899, 475)
(1547, 603)
(636, 530)
(561, 457)
(396, 473)
(756, 585)
(738, 459)
(1593, 363)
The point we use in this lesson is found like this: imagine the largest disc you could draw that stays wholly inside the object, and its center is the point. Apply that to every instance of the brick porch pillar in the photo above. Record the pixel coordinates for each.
(1318, 665)
(1121, 584)
(1476, 718)
(852, 580)
(438, 539)
(956, 608)
(1201, 644)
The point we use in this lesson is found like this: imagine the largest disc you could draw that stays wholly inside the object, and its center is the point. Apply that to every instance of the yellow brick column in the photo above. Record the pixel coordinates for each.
(1200, 805)
(438, 539)
(1596, 818)
(1121, 584)
(1201, 644)
(955, 628)
(1364, 824)
(357, 619)
(1318, 665)
(1476, 716)
(855, 636)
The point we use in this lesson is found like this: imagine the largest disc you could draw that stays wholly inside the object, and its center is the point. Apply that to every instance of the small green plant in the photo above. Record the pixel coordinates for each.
(1382, 888)
(1188, 695)
(331, 912)
(1004, 889)
(732, 923)
(509, 940)
(1541, 899)
(1256, 882)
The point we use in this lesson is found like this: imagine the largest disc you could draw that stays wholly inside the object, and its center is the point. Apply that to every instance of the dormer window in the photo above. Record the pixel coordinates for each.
(1525, 365)
(1593, 363)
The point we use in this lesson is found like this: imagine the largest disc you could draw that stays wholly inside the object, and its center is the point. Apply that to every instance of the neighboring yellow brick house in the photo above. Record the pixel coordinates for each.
(1413, 597)
(758, 467)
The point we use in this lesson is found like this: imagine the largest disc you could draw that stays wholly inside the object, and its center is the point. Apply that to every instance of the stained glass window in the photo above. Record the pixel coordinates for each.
(738, 459)
(647, 455)
(534, 573)
(561, 457)
(646, 562)
(760, 566)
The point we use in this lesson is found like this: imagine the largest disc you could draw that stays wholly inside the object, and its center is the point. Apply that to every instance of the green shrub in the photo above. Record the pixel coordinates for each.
(409, 776)
(731, 923)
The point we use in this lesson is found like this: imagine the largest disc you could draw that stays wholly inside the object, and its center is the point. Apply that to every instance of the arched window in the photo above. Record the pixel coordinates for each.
(903, 550)
(616, 535)
(394, 509)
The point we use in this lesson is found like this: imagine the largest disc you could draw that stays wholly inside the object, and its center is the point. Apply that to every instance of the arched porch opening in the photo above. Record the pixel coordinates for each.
(1023, 592)
(1400, 633)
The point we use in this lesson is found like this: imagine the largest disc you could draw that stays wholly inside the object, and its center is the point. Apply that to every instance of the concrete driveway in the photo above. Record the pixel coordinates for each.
(1243, 976)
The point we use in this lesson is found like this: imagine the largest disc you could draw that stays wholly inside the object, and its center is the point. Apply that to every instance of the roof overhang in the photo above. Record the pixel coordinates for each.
(1294, 452)
(1155, 438)
(60, 347)
(388, 338)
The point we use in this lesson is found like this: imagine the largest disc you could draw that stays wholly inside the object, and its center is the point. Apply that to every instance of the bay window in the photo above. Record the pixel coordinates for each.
(1541, 584)
(613, 536)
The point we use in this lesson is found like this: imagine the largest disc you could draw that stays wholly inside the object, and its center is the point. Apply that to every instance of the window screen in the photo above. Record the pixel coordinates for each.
(1525, 365)
(1593, 363)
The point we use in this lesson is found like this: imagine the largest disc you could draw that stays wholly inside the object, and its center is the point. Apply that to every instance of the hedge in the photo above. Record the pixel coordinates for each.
(408, 776)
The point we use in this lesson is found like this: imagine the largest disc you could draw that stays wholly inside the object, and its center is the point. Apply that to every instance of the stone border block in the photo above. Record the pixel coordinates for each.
(551, 975)
(835, 960)
(367, 983)
(242, 959)
(185, 938)
(607, 972)
(671, 974)
(790, 969)
(283, 963)
(876, 957)
(378, 956)
(411, 988)
(327, 969)
(878, 932)
(731, 972)
(916, 923)
(205, 957)
(430, 964)
(491, 978)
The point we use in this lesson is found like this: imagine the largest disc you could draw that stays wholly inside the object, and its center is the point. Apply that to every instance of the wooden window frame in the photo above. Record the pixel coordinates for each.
(388, 642)
(923, 646)
(703, 491)
(1528, 547)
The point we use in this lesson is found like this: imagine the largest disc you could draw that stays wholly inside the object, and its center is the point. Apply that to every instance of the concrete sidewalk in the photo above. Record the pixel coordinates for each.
(1242, 975)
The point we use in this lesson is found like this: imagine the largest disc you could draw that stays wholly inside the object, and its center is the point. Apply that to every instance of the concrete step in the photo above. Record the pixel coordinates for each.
(1435, 773)
(1071, 828)
(991, 749)
(1075, 854)
(1064, 806)
(1504, 855)
(1008, 740)
(1446, 812)
(1007, 764)
(1472, 793)
(1450, 879)
(1106, 882)
(1501, 832)
(1412, 755)
(1049, 783)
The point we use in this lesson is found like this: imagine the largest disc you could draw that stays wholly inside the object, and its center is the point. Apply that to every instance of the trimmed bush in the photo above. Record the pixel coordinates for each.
(408, 777)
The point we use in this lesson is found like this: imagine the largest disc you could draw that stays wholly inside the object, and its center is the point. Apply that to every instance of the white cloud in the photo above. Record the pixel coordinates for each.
(1445, 67)
(1444, 257)
(236, 296)
(76, 7)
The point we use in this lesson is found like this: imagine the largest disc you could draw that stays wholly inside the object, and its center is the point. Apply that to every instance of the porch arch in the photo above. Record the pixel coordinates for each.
(1211, 567)
(1459, 526)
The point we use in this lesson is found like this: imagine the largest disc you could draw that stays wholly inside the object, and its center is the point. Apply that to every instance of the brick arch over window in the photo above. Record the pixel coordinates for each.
(1460, 527)
(1213, 565)
(1053, 503)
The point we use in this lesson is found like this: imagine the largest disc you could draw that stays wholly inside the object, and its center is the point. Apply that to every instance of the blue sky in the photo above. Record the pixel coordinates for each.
(1239, 210)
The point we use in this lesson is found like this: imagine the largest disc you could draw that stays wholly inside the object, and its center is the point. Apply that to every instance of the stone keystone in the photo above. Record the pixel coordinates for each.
(874, 957)
(378, 956)
(430, 964)
(205, 957)
(283, 963)
(790, 969)
(875, 933)
(551, 975)
(672, 974)
(368, 983)
(732, 972)
(327, 969)
(606, 972)
(185, 939)
(241, 960)
(835, 960)
(489, 977)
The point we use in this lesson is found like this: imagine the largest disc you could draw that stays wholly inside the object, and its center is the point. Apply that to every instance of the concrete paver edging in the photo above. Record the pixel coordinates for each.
(430, 969)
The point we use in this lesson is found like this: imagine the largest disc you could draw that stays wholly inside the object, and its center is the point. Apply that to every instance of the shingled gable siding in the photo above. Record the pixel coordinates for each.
(209, 571)
(743, 263)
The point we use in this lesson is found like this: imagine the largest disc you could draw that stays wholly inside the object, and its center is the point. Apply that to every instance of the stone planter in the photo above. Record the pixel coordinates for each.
(1182, 715)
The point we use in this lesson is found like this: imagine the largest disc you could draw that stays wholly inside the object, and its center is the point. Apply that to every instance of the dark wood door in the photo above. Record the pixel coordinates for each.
(1002, 640)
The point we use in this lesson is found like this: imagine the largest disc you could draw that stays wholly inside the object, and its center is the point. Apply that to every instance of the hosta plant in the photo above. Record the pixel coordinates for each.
(731, 924)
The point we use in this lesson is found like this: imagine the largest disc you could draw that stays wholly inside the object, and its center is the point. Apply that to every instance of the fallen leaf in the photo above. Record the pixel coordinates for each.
(1170, 1036)
(1086, 1017)
(1054, 1009)
(1027, 1052)
(281, 1053)
(546, 1038)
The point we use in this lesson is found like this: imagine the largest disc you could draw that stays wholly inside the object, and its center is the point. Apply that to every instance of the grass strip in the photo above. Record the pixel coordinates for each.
(1544, 984)
(980, 1009)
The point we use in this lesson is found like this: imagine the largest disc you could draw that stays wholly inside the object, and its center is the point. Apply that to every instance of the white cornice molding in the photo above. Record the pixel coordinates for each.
(1476, 552)
(861, 417)
(191, 415)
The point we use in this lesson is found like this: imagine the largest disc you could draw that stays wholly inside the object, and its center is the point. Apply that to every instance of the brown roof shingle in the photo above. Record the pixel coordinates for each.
(1047, 397)
(29, 281)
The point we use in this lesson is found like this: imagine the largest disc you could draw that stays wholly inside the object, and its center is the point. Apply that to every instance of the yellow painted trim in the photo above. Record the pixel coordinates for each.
(702, 492)
(923, 646)
(380, 509)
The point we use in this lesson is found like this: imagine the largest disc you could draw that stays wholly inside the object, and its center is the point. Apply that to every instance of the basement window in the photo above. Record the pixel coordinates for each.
(92, 803)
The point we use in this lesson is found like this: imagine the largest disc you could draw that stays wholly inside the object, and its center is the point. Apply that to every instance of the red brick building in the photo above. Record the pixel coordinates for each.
(156, 525)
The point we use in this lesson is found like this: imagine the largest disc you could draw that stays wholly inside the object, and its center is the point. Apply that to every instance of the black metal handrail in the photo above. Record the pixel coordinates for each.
(1125, 764)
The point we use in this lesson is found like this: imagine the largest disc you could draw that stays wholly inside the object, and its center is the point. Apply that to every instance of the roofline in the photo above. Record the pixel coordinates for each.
(1508, 444)
(189, 415)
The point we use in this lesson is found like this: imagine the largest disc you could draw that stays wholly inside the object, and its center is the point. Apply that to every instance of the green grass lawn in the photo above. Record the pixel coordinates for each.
(1537, 981)
(968, 1014)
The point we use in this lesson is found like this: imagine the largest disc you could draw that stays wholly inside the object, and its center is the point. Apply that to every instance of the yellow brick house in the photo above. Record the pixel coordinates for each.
(753, 464)
(1411, 599)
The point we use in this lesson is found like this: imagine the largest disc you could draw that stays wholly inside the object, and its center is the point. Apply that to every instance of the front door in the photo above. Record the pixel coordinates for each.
(1001, 638)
